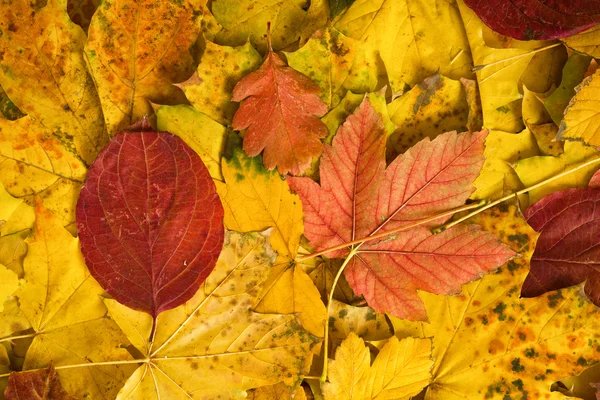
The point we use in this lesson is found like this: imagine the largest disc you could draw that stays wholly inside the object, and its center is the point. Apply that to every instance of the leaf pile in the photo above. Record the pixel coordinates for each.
(333, 199)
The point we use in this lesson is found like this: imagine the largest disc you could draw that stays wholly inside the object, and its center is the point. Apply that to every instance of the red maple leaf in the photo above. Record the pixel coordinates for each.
(358, 197)
(537, 19)
(150, 221)
(279, 109)
(568, 250)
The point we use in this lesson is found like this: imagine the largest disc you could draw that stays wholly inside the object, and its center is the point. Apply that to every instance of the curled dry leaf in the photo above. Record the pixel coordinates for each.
(280, 108)
(359, 197)
(42, 384)
(150, 221)
(215, 346)
(537, 19)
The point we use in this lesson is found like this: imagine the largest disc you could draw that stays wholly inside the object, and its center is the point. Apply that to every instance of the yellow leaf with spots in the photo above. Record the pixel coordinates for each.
(510, 347)
(239, 19)
(137, 50)
(44, 74)
(328, 59)
(276, 392)
(63, 305)
(255, 199)
(205, 136)
(401, 370)
(35, 163)
(582, 116)
(432, 107)
(535, 169)
(364, 322)
(413, 39)
(214, 345)
(290, 290)
(221, 67)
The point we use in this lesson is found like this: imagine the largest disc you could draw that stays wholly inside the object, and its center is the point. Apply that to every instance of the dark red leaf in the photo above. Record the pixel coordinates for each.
(279, 109)
(537, 19)
(568, 249)
(150, 221)
(42, 384)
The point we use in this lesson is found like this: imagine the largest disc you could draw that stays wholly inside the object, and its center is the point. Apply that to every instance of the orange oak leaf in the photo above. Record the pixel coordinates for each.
(39, 384)
(359, 197)
(280, 108)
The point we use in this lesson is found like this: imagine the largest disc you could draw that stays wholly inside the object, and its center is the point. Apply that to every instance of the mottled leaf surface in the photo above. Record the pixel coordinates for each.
(280, 108)
(150, 221)
(537, 19)
(358, 196)
(43, 384)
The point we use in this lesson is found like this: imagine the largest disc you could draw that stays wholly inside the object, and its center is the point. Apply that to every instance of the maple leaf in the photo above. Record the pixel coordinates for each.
(135, 216)
(44, 74)
(358, 197)
(535, 19)
(566, 252)
(279, 109)
(42, 384)
(136, 51)
(401, 370)
(61, 305)
(214, 345)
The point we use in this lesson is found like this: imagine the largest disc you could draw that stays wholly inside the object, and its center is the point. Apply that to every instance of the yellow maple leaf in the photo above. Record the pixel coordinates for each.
(221, 67)
(136, 51)
(414, 39)
(43, 72)
(214, 345)
(63, 305)
(401, 370)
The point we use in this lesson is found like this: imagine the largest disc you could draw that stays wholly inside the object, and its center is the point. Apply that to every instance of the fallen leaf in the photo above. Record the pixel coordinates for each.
(51, 86)
(401, 370)
(475, 118)
(508, 346)
(41, 384)
(565, 254)
(221, 67)
(135, 216)
(358, 197)
(214, 345)
(35, 163)
(256, 199)
(412, 39)
(582, 118)
(534, 19)
(280, 108)
(205, 136)
(587, 42)
(328, 58)
(136, 51)
(434, 106)
(62, 303)
(545, 70)
(572, 76)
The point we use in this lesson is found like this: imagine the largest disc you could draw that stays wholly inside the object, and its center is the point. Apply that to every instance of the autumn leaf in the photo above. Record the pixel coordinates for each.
(582, 118)
(401, 370)
(9, 282)
(214, 345)
(358, 197)
(414, 39)
(587, 42)
(45, 76)
(221, 67)
(279, 109)
(276, 392)
(364, 322)
(148, 236)
(40, 384)
(506, 345)
(136, 51)
(565, 254)
(62, 304)
(534, 19)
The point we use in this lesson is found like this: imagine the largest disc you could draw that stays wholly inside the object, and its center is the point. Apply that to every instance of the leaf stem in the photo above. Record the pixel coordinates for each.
(483, 66)
(392, 231)
(6, 339)
(515, 194)
(329, 301)
(91, 364)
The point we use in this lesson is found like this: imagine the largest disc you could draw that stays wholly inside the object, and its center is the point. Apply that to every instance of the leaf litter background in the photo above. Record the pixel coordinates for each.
(380, 83)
